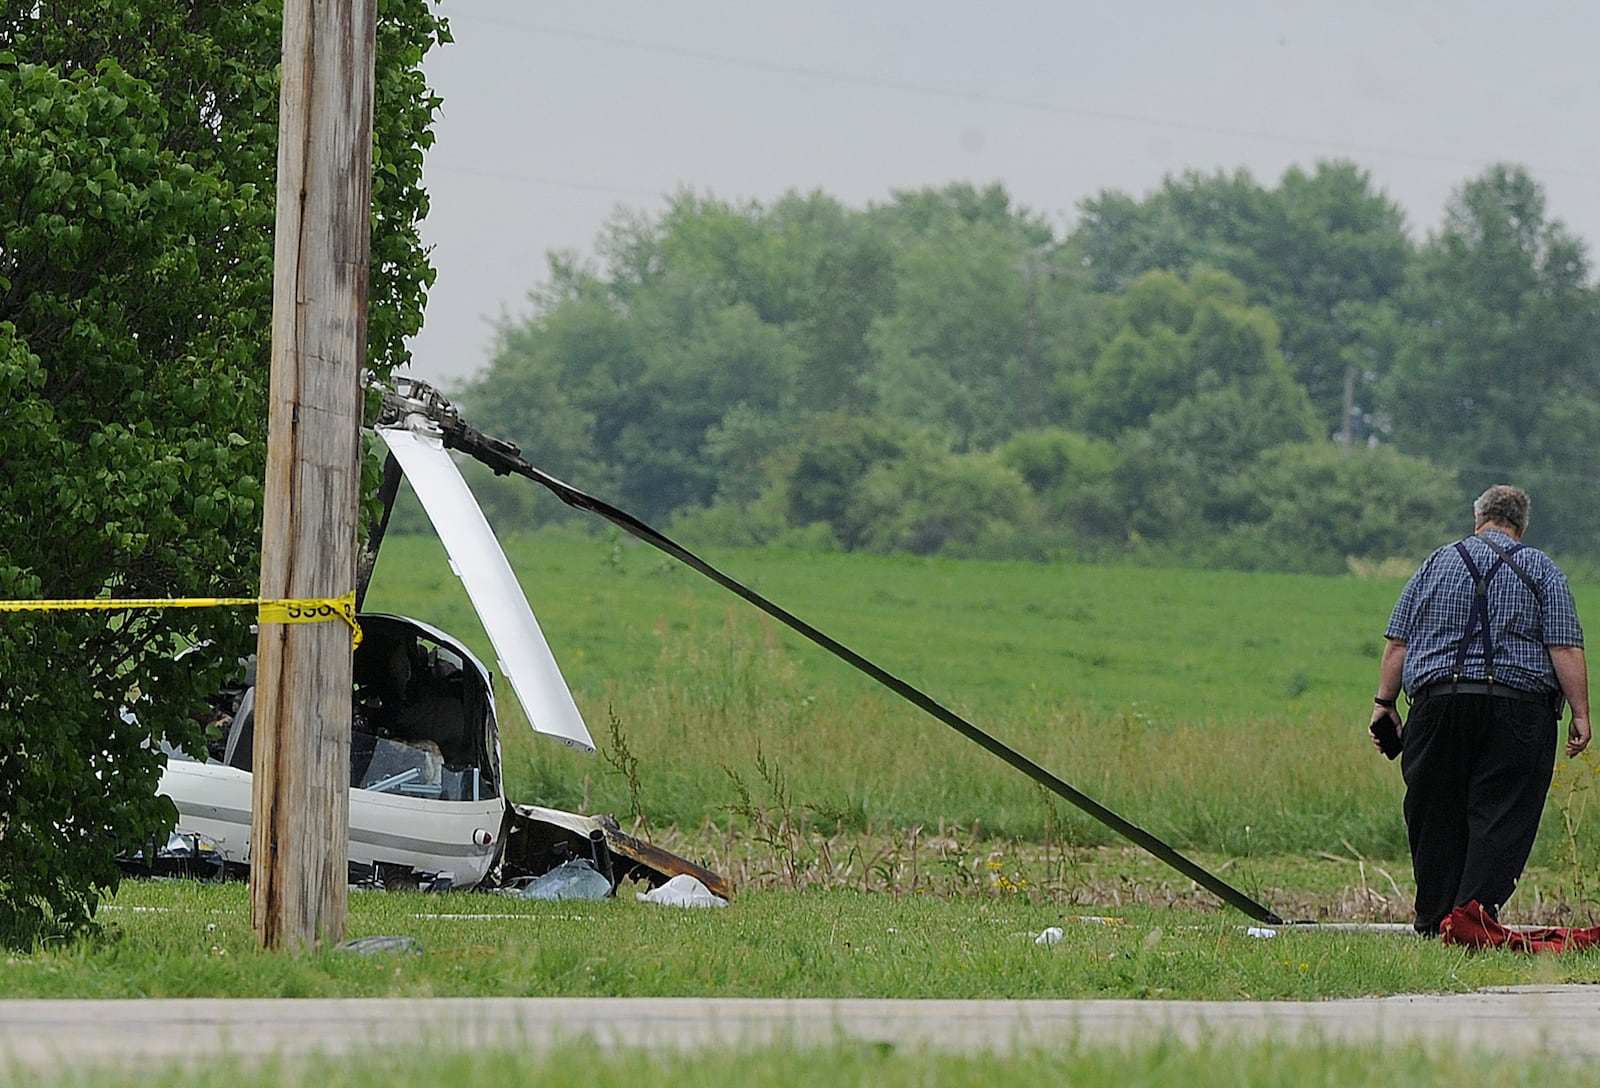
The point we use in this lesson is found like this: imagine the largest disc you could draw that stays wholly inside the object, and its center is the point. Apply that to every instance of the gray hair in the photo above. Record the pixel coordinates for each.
(1505, 504)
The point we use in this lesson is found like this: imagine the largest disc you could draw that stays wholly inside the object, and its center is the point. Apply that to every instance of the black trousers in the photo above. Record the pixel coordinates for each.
(1477, 769)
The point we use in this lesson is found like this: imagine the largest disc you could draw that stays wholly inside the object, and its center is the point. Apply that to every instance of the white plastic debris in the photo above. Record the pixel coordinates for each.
(682, 890)
(1051, 935)
(1262, 932)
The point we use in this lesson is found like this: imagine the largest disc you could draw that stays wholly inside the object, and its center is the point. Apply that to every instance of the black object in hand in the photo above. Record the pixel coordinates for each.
(1388, 735)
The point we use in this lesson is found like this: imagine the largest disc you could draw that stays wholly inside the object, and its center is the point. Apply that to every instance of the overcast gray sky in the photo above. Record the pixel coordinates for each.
(555, 115)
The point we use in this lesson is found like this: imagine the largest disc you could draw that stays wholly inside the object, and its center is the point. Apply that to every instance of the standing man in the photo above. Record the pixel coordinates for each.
(1485, 641)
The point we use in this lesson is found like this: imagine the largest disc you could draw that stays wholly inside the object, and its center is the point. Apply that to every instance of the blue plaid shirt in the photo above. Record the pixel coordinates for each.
(1433, 611)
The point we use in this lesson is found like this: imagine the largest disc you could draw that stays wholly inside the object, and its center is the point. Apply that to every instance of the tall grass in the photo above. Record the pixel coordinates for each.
(1223, 711)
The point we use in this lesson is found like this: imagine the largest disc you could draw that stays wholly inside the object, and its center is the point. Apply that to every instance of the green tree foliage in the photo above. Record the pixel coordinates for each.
(854, 284)
(1331, 271)
(136, 184)
(808, 373)
(1312, 506)
(935, 502)
(712, 334)
(834, 454)
(621, 380)
(963, 350)
(1064, 469)
(1145, 367)
(1192, 387)
(1322, 252)
(1169, 341)
(888, 486)
(1183, 478)
(974, 342)
(1497, 375)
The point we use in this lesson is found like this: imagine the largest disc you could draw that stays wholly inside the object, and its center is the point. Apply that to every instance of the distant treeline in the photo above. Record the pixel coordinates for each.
(1219, 373)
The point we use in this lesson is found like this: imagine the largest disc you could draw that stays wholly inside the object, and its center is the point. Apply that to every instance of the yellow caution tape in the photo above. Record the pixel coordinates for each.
(314, 611)
(269, 610)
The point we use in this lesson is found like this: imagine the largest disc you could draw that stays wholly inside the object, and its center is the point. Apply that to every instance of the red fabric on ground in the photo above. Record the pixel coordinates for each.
(1471, 927)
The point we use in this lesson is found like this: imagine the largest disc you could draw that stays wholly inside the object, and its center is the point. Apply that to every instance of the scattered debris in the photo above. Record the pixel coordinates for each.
(575, 879)
(372, 946)
(682, 890)
(183, 857)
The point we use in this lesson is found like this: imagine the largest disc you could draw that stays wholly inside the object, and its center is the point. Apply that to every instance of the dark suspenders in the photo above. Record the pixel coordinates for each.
(1478, 617)
(1516, 568)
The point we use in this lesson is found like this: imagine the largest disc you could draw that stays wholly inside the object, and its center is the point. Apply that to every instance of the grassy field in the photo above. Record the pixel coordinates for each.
(184, 940)
(1210, 1065)
(1167, 647)
(879, 854)
(1222, 711)
(176, 940)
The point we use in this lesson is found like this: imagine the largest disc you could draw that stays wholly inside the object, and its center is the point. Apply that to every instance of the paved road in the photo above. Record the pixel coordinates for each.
(45, 1035)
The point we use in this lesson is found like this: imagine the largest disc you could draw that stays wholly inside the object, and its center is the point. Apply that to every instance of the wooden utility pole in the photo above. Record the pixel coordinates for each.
(300, 820)
(1347, 427)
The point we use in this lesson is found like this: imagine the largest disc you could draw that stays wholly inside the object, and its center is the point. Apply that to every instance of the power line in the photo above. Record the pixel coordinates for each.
(541, 179)
(985, 98)
(1527, 470)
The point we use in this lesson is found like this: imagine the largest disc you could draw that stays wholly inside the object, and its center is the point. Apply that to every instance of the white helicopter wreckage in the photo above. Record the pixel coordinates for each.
(428, 804)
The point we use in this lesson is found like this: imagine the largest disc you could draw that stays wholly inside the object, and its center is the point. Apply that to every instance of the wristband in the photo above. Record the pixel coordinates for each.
(1386, 703)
